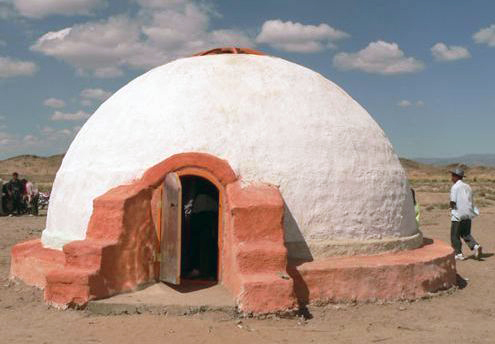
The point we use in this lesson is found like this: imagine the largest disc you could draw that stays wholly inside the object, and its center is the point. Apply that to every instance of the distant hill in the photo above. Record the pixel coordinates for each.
(37, 168)
(469, 159)
(421, 170)
(415, 169)
(42, 170)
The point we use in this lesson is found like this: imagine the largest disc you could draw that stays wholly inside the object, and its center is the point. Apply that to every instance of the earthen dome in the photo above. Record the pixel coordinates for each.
(274, 122)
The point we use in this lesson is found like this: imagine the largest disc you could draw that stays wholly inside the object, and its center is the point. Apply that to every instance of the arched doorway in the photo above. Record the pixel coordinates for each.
(200, 199)
(191, 223)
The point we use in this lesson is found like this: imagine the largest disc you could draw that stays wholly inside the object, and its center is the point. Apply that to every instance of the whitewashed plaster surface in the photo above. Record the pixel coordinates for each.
(273, 121)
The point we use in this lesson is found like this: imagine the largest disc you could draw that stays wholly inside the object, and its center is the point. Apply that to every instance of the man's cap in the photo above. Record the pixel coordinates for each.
(457, 171)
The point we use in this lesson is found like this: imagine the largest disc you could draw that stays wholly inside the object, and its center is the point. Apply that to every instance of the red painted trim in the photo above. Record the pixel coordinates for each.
(229, 50)
(217, 167)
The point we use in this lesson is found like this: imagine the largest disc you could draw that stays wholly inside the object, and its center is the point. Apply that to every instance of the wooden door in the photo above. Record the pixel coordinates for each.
(171, 230)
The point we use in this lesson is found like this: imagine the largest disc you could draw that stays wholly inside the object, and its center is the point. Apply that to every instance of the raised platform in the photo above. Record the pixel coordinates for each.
(409, 274)
(403, 275)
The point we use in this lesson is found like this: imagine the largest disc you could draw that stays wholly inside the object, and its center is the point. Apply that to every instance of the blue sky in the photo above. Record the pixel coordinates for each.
(422, 69)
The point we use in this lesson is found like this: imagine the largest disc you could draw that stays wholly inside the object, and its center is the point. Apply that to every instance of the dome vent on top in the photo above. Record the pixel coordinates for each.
(229, 50)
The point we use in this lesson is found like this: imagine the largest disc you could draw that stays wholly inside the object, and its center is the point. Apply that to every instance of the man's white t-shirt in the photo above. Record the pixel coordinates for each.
(462, 195)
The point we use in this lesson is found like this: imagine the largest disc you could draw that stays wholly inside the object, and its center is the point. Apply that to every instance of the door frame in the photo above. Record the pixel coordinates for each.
(202, 173)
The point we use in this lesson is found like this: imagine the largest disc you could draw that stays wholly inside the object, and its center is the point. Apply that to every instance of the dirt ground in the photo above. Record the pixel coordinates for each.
(464, 315)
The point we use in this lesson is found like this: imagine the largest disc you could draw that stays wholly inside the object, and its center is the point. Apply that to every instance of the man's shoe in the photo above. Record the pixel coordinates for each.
(477, 252)
(459, 256)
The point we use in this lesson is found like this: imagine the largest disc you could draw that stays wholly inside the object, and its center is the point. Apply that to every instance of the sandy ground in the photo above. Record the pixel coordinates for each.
(465, 315)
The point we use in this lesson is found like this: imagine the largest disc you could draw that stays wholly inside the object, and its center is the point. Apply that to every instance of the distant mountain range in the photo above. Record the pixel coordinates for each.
(43, 169)
(469, 159)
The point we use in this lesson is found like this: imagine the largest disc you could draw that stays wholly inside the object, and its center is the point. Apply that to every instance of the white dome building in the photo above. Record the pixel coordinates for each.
(275, 123)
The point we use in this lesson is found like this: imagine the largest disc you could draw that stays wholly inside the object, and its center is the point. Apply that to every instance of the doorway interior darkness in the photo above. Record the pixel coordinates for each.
(200, 202)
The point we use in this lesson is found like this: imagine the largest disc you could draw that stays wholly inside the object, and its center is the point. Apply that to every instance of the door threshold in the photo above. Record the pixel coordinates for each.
(198, 281)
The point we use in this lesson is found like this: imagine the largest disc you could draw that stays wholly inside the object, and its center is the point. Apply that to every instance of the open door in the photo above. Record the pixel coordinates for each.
(171, 230)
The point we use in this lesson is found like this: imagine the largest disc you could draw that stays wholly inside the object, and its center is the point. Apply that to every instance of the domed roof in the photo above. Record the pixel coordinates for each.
(274, 122)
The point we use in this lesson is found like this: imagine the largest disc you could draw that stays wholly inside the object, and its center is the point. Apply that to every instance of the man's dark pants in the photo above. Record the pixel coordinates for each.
(17, 203)
(203, 247)
(458, 230)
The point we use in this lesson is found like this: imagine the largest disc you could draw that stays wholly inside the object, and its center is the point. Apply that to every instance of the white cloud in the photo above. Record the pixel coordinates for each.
(7, 10)
(95, 94)
(11, 67)
(99, 47)
(7, 139)
(156, 35)
(47, 139)
(297, 37)
(157, 4)
(54, 103)
(404, 103)
(63, 116)
(86, 102)
(44, 8)
(442, 52)
(52, 134)
(47, 130)
(90, 95)
(65, 131)
(380, 58)
(486, 36)
(30, 140)
(106, 72)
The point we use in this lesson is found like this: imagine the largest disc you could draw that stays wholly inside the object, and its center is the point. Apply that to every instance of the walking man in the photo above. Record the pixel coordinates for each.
(462, 210)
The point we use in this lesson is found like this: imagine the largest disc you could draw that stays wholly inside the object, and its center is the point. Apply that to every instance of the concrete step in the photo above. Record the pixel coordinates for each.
(160, 298)
(86, 254)
(257, 257)
(265, 293)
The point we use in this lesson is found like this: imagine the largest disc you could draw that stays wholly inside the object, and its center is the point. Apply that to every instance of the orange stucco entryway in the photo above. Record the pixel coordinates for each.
(122, 243)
